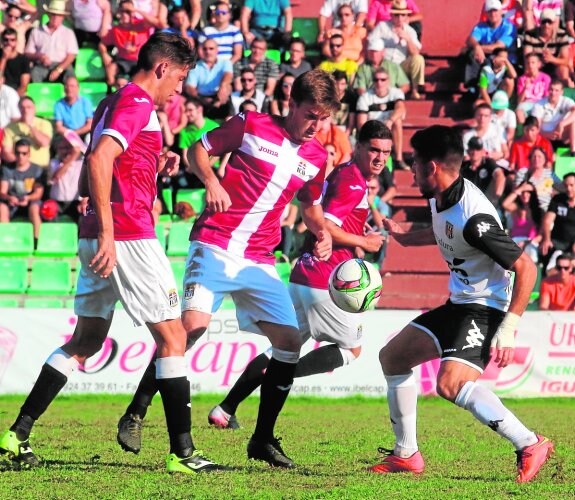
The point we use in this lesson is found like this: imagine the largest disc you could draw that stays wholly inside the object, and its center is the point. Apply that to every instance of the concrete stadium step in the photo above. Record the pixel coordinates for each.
(413, 291)
(421, 259)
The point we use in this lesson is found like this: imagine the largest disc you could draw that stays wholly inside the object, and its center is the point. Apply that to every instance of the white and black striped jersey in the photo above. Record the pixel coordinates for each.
(475, 246)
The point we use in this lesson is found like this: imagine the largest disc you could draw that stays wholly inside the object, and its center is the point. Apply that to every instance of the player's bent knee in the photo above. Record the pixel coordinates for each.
(449, 389)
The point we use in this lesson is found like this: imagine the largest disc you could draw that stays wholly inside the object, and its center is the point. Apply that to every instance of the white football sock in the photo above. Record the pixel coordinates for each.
(402, 401)
(489, 410)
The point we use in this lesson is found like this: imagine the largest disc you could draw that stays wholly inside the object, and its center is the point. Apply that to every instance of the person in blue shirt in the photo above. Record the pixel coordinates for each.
(73, 111)
(485, 38)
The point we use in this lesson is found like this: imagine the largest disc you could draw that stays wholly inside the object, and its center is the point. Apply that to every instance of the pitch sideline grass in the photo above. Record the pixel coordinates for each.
(333, 441)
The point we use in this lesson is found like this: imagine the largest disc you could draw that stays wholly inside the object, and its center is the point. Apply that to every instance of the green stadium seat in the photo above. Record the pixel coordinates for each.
(43, 303)
(57, 239)
(178, 239)
(308, 29)
(45, 96)
(50, 277)
(195, 197)
(13, 275)
(564, 162)
(167, 196)
(161, 234)
(89, 66)
(179, 269)
(274, 54)
(16, 239)
(94, 92)
(6, 303)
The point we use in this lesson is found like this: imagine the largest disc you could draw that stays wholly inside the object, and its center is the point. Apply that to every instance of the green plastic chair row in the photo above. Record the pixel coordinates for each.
(56, 239)
(47, 277)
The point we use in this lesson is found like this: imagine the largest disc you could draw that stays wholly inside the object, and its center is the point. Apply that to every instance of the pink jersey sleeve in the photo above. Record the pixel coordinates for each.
(226, 138)
(127, 117)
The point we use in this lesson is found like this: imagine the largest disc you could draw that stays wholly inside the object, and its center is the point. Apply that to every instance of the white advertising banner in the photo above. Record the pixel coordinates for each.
(544, 363)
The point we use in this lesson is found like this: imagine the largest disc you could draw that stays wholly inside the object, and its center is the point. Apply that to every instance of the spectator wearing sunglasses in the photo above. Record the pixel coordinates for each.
(16, 65)
(337, 60)
(558, 291)
(19, 18)
(227, 35)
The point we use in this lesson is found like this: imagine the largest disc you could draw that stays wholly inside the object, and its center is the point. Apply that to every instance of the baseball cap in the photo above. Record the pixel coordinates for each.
(375, 44)
(500, 100)
(475, 143)
(492, 5)
(549, 14)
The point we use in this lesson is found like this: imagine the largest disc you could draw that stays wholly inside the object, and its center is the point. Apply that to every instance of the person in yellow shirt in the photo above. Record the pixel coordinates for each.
(337, 60)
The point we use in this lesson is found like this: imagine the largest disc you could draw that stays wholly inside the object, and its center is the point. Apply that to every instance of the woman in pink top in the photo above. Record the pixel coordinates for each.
(380, 10)
(531, 86)
(523, 209)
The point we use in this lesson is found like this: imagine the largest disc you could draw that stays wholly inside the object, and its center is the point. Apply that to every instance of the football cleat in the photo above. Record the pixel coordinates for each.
(130, 433)
(270, 452)
(222, 420)
(393, 463)
(18, 450)
(193, 464)
(531, 458)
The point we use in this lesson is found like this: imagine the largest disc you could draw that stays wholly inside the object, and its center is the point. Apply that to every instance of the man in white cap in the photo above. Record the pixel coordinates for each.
(550, 42)
(376, 59)
(402, 45)
(485, 38)
(52, 47)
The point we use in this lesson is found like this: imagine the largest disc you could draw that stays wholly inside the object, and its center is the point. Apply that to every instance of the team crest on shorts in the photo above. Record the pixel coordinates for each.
(449, 229)
(173, 297)
(189, 291)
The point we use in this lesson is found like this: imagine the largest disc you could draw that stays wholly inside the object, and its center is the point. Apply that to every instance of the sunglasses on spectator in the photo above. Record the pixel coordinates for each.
(222, 12)
(6, 40)
(247, 79)
(380, 79)
(21, 153)
(333, 46)
(563, 268)
(9, 16)
(546, 21)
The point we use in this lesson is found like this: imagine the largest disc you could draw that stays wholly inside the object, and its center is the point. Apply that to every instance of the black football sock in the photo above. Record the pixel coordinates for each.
(276, 385)
(248, 382)
(324, 359)
(47, 386)
(176, 400)
(145, 392)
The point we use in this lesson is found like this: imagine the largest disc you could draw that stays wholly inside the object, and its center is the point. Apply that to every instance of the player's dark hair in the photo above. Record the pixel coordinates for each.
(373, 129)
(439, 143)
(168, 47)
(316, 87)
(531, 121)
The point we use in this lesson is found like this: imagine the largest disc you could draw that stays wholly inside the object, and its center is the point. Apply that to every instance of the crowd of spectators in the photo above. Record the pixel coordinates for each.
(518, 71)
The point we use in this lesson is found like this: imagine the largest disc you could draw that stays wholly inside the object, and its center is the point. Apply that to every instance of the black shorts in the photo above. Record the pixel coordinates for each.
(462, 332)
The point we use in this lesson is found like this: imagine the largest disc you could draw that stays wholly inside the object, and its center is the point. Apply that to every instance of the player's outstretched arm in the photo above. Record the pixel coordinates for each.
(217, 198)
(409, 238)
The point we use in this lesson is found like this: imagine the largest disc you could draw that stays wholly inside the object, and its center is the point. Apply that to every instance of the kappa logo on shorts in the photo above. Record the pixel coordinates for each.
(189, 291)
(474, 338)
(173, 297)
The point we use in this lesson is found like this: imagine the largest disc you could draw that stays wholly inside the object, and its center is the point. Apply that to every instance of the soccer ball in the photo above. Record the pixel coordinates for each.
(354, 285)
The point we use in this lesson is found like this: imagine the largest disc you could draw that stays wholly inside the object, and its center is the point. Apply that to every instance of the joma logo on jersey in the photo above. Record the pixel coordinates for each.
(263, 149)
(482, 227)
(449, 229)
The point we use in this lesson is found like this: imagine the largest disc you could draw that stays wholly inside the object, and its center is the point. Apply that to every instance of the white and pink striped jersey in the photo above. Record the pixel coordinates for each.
(264, 173)
(345, 204)
(129, 117)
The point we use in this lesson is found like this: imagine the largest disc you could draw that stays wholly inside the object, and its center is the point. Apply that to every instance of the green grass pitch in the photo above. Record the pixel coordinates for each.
(333, 441)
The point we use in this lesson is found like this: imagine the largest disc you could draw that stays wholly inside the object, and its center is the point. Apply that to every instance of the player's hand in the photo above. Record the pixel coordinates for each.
(169, 164)
(373, 242)
(217, 198)
(391, 226)
(503, 342)
(323, 245)
(105, 259)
